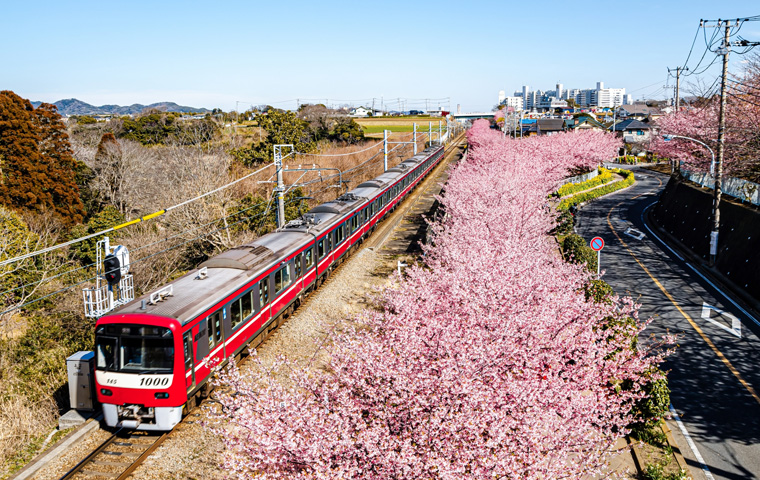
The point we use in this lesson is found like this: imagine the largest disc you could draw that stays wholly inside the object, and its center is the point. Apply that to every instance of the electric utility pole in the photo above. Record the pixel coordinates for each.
(678, 84)
(723, 50)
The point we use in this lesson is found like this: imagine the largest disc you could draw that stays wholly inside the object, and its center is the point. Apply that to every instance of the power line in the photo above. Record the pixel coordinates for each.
(743, 99)
(91, 278)
(339, 154)
(129, 223)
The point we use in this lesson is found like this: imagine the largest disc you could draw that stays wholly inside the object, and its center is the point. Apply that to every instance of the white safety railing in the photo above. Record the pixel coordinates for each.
(741, 189)
(99, 300)
(580, 178)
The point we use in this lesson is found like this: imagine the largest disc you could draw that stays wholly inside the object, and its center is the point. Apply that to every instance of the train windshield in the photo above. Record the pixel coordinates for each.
(134, 349)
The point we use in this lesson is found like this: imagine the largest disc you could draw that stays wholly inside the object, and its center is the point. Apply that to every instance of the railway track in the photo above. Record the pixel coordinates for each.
(117, 457)
(120, 455)
(386, 228)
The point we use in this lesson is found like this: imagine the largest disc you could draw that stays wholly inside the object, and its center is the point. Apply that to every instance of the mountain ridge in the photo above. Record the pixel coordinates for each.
(73, 106)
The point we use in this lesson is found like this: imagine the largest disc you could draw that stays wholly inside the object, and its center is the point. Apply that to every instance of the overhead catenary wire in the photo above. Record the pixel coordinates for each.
(339, 154)
(141, 247)
(91, 278)
(103, 232)
(129, 223)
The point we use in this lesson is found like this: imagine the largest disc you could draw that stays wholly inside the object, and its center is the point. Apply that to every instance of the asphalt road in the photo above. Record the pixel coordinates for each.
(714, 376)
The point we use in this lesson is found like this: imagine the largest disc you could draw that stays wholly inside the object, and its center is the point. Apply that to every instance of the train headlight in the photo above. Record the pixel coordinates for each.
(161, 395)
(106, 392)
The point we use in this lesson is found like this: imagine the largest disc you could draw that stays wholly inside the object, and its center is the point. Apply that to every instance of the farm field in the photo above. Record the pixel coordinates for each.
(374, 126)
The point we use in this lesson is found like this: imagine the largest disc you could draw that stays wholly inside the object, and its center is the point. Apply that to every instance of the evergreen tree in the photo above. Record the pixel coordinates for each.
(282, 127)
(38, 169)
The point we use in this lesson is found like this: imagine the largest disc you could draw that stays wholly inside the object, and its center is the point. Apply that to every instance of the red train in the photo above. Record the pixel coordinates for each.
(154, 355)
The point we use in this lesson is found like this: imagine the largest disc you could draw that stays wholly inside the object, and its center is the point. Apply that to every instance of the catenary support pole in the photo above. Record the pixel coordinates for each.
(414, 138)
(280, 188)
(385, 150)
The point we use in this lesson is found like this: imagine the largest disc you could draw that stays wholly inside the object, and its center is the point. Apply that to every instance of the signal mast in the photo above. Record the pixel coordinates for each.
(114, 285)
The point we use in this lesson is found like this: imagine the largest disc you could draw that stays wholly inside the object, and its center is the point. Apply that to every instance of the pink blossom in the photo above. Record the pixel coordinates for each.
(487, 363)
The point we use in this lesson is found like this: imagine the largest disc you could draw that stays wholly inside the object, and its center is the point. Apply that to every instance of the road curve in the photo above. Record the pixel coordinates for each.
(713, 376)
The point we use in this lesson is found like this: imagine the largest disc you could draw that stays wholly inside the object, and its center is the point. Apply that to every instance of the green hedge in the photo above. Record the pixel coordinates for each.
(575, 250)
(605, 176)
(598, 192)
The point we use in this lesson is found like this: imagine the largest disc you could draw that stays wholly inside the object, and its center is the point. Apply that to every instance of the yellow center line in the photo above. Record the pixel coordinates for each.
(686, 315)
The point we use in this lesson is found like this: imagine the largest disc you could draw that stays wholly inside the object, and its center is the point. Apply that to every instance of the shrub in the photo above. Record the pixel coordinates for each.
(599, 290)
(565, 223)
(605, 176)
(598, 192)
(575, 250)
(654, 406)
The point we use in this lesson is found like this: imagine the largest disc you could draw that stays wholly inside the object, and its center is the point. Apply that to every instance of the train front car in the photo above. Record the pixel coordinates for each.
(139, 374)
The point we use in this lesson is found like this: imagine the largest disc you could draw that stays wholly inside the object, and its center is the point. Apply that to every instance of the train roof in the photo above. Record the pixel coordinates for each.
(220, 275)
(195, 292)
(191, 294)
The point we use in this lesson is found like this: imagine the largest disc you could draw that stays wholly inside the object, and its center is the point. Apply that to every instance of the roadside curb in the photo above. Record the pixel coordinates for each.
(676, 449)
(41, 460)
(638, 455)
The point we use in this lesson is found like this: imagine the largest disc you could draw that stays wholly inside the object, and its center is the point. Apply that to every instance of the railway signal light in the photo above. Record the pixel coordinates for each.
(112, 269)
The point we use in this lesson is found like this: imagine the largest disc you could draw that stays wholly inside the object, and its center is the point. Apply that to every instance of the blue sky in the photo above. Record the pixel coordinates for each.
(237, 53)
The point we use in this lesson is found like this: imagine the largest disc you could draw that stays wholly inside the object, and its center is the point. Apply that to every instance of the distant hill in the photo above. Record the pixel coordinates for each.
(72, 106)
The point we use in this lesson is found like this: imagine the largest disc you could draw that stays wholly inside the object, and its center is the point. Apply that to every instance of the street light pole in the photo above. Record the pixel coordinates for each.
(716, 196)
(668, 137)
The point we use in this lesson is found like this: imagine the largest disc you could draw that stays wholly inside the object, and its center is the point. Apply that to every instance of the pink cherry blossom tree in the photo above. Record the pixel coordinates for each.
(489, 362)
(742, 142)
(499, 117)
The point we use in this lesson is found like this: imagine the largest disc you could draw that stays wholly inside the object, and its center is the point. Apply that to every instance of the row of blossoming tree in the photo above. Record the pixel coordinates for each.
(488, 362)
(700, 121)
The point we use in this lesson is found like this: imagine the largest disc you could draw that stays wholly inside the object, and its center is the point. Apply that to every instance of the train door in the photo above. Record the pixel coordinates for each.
(189, 363)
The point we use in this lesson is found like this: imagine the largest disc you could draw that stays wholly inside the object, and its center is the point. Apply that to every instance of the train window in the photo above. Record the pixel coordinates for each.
(188, 348)
(299, 264)
(321, 248)
(329, 242)
(246, 304)
(214, 328)
(106, 348)
(281, 279)
(338, 235)
(309, 258)
(264, 292)
(235, 313)
(210, 324)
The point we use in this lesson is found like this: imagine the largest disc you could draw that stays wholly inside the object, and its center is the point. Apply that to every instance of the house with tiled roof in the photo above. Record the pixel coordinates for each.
(633, 131)
(637, 111)
(583, 124)
(546, 126)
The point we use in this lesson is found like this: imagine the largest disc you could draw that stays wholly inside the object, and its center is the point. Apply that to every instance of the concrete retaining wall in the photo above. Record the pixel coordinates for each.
(685, 212)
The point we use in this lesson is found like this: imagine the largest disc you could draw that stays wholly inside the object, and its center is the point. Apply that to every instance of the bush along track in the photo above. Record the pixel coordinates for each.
(627, 181)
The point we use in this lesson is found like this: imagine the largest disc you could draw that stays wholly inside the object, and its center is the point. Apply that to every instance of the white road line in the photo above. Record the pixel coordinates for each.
(748, 315)
(736, 324)
(691, 443)
(724, 295)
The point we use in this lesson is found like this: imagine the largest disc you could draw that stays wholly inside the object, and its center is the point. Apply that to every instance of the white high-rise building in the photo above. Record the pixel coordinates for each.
(599, 97)
(515, 102)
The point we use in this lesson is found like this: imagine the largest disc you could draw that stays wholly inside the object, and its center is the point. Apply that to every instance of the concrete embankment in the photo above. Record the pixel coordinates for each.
(684, 212)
